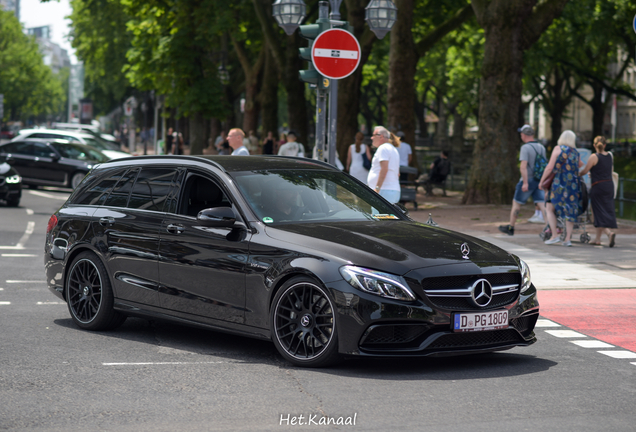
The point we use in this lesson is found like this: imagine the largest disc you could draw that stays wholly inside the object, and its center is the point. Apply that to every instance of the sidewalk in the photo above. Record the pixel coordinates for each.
(552, 267)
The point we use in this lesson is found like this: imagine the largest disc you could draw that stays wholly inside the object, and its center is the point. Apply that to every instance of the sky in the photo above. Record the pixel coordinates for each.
(36, 14)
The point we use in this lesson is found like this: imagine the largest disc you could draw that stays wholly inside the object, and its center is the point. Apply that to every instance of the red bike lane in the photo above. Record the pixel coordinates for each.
(608, 315)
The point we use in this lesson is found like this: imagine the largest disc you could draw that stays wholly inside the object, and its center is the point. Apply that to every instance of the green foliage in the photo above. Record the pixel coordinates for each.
(28, 85)
(175, 51)
(101, 41)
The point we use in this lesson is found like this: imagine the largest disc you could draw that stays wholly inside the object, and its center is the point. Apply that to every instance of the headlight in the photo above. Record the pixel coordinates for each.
(14, 179)
(525, 276)
(378, 283)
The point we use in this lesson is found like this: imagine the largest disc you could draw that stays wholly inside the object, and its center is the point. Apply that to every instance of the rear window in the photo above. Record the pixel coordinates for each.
(97, 189)
(119, 196)
(151, 189)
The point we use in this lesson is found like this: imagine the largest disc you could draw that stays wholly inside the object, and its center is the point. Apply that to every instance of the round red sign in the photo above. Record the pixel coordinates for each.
(335, 53)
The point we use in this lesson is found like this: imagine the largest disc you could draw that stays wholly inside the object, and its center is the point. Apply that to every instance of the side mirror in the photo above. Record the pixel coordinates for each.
(217, 217)
(54, 156)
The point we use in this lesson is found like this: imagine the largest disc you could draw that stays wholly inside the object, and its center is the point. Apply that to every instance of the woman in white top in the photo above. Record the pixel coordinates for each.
(384, 175)
(354, 159)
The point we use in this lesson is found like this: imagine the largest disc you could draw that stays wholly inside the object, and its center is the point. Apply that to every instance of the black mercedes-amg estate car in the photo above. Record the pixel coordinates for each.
(284, 249)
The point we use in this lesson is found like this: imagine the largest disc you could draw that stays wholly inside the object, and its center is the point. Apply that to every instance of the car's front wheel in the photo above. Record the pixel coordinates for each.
(303, 323)
(89, 294)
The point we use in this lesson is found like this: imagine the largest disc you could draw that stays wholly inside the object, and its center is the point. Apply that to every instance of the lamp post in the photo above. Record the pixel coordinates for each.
(380, 16)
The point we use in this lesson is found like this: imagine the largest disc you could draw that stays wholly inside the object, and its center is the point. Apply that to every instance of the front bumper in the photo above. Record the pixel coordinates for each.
(369, 325)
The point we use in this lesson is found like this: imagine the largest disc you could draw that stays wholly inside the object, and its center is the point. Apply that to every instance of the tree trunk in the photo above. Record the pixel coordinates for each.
(403, 59)
(510, 28)
(268, 97)
(198, 133)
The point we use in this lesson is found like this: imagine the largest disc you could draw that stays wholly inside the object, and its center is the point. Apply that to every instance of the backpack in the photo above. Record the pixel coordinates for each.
(539, 165)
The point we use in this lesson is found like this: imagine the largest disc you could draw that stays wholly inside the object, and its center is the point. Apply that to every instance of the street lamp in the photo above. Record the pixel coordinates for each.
(289, 14)
(381, 15)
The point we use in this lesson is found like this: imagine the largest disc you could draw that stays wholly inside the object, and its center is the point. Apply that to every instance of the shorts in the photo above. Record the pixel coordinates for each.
(533, 191)
(391, 196)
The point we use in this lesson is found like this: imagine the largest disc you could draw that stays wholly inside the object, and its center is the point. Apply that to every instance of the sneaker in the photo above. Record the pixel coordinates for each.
(538, 219)
(552, 241)
(567, 243)
(507, 229)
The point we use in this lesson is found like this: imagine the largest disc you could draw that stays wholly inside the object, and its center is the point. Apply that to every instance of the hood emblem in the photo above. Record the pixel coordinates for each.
(481, 293)
(465, 250)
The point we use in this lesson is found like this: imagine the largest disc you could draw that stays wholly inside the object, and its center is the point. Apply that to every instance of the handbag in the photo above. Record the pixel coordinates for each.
(547, 183)
(366, 163)
(615, 177)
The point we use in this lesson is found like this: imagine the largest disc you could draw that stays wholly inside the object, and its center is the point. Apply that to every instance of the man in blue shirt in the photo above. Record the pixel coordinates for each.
(235, 139)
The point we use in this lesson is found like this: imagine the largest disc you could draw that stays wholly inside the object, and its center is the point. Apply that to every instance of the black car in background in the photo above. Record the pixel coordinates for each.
(290, 250)
(43, 162)
(10, 183)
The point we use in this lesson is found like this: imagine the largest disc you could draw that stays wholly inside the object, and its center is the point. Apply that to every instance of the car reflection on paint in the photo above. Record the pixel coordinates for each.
(284, 249)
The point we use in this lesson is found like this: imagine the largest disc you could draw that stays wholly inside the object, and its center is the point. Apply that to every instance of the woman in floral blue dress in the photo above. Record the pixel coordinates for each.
(563, 198)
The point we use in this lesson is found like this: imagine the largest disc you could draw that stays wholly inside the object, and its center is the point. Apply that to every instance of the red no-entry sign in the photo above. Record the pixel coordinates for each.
(335, 53)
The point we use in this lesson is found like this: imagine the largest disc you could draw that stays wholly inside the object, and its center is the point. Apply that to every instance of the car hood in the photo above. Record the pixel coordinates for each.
(409, 245)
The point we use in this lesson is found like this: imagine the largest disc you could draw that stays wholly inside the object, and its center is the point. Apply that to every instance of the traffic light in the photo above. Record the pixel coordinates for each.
(311, 32)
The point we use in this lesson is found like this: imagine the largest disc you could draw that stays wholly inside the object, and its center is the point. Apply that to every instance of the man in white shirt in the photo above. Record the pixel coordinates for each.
(384, 175)
(291, 147)
(235, 139)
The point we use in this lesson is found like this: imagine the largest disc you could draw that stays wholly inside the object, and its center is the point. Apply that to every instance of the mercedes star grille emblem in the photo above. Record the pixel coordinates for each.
(481, 293)
(465, 250)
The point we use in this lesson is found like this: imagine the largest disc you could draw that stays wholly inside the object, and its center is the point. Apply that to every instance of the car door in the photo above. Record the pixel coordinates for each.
(129, 221)
(47, 168)
(202, 270)
(23, 158)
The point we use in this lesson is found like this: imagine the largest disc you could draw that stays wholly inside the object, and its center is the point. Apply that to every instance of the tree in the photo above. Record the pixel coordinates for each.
(510, 28)
(28, 85)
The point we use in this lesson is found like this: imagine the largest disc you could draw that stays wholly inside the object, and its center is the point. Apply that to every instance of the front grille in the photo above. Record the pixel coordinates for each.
(393, 334)
(453, 292)
(476, 339)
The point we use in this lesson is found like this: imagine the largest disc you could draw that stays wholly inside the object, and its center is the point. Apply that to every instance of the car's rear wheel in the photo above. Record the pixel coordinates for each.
(303, 323)
(89, 294)
(76, 179)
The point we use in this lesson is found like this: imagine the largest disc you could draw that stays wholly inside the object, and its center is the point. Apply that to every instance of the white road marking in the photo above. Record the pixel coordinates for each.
(634, 363)
(565, 333)
(619, 354)
(18, 255)
(25, 237)
(45, 195)
(24, 281)
(159, 363)
(29, 212)
(5, 303)
(592, 344)
(52, 303)
(546, 323)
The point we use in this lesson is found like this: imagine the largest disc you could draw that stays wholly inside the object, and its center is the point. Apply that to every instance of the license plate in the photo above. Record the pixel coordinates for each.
(480, 321)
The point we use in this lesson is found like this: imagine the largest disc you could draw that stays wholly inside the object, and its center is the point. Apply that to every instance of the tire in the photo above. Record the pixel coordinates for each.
(76, 179)
(303, 324)
(89, 294)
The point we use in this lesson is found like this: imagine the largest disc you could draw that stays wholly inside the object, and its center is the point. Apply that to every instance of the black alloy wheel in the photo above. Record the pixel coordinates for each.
(89, 294)
(304, 324)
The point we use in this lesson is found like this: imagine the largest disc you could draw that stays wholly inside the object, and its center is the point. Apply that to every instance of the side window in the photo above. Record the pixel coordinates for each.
(41, 150)
(98, 190)
(200, 193)
(119, 196)
(151, 189)
(22, 148)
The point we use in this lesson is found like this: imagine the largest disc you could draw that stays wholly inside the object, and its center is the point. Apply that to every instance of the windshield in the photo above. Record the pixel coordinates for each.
(283, 196)
(96, 141)
(79, 152)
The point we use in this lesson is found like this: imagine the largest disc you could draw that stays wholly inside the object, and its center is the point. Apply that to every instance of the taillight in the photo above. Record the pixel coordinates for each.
(52, 224)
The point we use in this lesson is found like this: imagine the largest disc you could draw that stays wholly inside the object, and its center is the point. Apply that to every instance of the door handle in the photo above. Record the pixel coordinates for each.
(107, 221)
(175, 229)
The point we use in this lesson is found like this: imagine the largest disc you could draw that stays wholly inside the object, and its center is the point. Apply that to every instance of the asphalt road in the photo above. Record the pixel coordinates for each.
(153, 376)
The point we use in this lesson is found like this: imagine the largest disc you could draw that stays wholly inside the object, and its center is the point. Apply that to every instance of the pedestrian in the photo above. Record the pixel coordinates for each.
(281, 140)
(565, 192)
(219, 141)
(438, 170)
(355, 159)
(178, 146)
(600, 166)
(235, 139)
(252, 140)
(537, 217)
(169, 140)
(291, 148)
(268, 144)
(384, 175)
(528, 185)
(406, 155)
